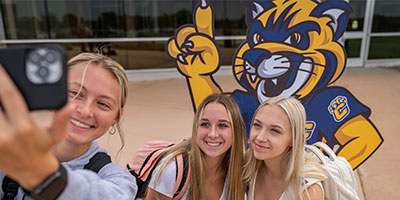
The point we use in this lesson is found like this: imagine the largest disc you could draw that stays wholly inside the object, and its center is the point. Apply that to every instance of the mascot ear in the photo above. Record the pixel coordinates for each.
(338, 11)
(255, 9)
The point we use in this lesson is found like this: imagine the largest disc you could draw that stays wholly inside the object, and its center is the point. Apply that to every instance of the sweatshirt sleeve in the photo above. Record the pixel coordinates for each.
(112, 182)
(1, 182)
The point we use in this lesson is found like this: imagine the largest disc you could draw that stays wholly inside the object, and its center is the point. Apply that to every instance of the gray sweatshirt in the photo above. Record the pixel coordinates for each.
(112, 181)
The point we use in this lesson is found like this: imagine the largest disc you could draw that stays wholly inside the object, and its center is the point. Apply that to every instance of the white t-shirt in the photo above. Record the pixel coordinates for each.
(309, 182)
(166, 183)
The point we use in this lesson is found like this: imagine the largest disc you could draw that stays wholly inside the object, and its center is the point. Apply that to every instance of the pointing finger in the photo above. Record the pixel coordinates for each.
(203, 19)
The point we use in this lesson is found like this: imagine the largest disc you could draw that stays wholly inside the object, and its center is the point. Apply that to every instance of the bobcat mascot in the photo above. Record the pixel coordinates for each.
(291, 50)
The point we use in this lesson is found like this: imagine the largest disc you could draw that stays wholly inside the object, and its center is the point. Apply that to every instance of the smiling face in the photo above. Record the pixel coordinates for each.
(271, 133)
(97, 103)
(214, 134)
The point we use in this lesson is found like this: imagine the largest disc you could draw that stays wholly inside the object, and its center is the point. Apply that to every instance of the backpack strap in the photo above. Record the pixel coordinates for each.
(98, 161)
(151, 160)
(10, 188)
(182, 175)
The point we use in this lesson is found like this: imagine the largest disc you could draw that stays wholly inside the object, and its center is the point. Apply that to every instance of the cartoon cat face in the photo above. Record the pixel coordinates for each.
(291, 47)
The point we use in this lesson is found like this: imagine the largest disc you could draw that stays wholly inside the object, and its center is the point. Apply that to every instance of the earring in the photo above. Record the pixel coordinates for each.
(112, 130)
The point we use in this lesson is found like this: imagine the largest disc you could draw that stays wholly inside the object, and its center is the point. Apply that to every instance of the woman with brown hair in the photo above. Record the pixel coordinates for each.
(216, 151)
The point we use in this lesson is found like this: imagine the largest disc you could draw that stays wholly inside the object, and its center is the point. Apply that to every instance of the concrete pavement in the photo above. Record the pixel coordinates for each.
(162, 110)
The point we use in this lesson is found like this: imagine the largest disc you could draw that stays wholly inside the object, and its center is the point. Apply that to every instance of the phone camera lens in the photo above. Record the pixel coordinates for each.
(34, 57)
(43, 72)
(50, 57)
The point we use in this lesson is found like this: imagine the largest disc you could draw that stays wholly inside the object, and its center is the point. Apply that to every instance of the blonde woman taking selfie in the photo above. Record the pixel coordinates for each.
(51, 163)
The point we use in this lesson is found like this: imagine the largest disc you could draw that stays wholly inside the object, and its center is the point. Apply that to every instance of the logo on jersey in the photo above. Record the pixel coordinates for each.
(339, 108)
(310, 127)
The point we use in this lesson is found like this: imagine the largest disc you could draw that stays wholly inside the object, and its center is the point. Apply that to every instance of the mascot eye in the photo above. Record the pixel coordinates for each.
(294, 39)
(257, 38)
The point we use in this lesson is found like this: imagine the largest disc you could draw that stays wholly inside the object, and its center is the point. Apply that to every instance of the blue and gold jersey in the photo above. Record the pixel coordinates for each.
(328, 110)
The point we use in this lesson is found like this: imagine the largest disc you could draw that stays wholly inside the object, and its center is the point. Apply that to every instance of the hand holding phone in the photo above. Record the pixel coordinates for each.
(25, 147)
(39, 72)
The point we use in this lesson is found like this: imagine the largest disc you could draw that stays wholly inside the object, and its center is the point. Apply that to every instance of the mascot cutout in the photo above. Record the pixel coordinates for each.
(291, 50)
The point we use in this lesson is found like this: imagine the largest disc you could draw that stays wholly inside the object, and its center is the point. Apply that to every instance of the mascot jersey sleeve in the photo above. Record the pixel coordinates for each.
(328, 110)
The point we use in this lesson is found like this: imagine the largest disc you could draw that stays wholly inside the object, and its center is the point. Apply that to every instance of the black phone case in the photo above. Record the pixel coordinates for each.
(37, 96)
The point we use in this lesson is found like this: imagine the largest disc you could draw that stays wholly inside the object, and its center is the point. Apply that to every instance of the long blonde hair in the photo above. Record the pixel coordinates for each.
(232, 162)
(116, 69)
(294, 161)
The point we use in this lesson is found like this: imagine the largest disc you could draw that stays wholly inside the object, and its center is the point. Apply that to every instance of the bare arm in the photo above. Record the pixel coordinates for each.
(314, 192)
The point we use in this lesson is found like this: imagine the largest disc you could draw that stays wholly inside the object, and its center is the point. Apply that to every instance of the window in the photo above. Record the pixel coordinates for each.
(386, 16)
(384, 47)
(356, 18)
(353, 48)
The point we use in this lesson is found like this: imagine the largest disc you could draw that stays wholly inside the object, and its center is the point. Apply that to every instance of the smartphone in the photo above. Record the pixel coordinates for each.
(39, 72)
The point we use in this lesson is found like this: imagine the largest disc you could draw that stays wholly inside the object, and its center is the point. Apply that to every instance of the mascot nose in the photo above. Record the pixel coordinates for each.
(256, 56)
